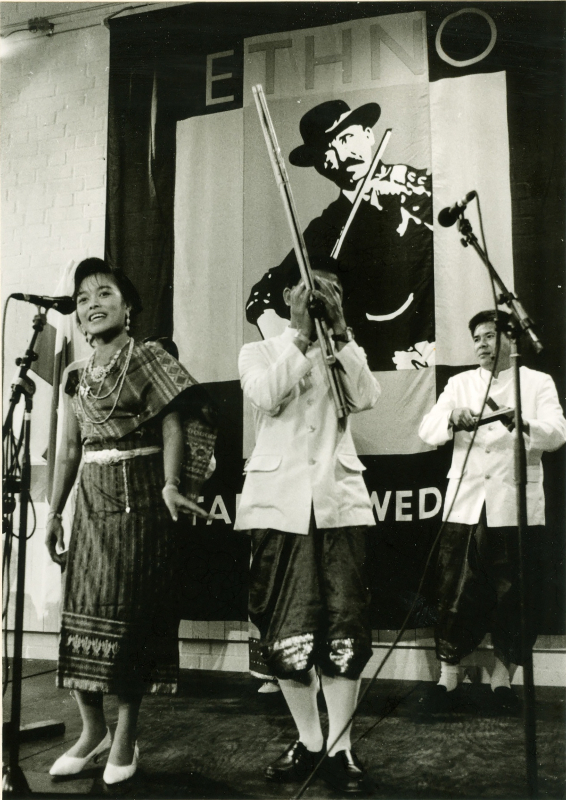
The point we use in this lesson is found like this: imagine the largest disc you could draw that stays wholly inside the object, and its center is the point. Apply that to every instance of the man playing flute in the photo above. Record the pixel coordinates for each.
(307, 508)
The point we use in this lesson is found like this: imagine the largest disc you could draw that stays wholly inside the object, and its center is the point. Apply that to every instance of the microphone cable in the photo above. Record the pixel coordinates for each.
(4, 335)
(11, 448)
(405, 624)
(8, 447)
(484, 245)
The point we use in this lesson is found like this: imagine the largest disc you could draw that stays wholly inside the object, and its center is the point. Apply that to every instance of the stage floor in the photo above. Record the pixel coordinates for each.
(215, 737)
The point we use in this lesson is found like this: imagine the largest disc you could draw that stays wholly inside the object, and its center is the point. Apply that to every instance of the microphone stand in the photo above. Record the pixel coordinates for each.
(521, 323)
(13, 778)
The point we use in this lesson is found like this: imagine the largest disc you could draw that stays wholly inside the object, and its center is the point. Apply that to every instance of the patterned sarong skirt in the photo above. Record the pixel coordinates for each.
(120, 619)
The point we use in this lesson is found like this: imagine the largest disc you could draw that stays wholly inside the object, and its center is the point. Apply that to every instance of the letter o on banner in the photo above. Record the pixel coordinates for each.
(475, 59)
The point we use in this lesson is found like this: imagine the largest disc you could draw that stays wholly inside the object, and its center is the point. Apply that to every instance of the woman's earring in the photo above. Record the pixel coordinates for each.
(86, 335)
(127, 319)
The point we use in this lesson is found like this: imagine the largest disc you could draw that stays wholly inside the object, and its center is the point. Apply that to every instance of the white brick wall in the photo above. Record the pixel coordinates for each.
(54, 118)
(54, 102)
(53, 111)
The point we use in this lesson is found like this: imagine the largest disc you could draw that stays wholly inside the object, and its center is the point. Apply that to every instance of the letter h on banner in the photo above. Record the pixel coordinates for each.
(345, 57)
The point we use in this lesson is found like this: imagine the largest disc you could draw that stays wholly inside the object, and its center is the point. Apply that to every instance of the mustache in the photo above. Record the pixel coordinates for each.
(351, 162)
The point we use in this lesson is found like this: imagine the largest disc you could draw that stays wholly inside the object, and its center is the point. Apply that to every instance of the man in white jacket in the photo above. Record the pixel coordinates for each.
(477, 579)
(307, 508)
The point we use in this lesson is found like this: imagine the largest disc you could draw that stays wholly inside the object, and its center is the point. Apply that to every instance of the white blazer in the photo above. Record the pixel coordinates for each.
(489, 476)
(302, 459)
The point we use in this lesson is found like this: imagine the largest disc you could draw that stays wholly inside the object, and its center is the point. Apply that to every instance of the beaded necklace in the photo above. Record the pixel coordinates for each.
(85, 389)
(97, 374)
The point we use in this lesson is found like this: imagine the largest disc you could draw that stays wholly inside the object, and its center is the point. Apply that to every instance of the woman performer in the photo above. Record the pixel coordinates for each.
(124, 405)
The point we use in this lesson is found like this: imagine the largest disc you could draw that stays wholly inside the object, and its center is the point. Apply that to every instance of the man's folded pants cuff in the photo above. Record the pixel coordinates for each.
(293, 657)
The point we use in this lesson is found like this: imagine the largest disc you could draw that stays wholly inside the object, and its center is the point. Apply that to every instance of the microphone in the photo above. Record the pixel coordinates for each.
(64, 305)
(449, 215)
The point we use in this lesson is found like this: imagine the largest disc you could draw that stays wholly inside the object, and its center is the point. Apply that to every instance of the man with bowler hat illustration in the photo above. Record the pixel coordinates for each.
(386, 261)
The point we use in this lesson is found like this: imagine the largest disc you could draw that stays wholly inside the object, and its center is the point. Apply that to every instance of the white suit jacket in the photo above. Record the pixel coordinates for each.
(301, 459)
(489, 474)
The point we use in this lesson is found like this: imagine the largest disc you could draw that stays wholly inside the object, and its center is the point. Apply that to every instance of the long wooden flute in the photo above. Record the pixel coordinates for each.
(282, 178)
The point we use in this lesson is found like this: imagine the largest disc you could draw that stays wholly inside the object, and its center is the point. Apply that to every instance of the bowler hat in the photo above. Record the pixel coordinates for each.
(323, 122)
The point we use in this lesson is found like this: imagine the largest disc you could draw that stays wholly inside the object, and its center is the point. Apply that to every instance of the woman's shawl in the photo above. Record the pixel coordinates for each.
(156, 383)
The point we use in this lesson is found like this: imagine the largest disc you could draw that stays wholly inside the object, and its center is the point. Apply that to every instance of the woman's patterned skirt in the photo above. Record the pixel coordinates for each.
(120, 613)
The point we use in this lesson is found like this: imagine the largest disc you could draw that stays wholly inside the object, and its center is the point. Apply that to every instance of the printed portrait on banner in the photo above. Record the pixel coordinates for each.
(385, 257)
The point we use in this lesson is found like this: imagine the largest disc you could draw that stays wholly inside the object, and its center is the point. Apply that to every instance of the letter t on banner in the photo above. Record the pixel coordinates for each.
(269, 49)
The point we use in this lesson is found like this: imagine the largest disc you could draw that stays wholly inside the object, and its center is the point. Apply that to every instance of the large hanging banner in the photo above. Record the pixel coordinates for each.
(409, 285)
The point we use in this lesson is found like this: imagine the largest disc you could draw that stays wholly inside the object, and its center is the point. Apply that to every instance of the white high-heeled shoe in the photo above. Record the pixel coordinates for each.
(71, 765)
(115, 774)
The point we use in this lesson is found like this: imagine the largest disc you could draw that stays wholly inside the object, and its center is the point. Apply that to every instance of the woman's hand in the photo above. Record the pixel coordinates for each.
(176, 502)
(55, 536)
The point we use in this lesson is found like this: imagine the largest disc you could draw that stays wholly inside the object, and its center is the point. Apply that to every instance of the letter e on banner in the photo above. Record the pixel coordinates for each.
(401, 505)
(423, 513)
(210, 78)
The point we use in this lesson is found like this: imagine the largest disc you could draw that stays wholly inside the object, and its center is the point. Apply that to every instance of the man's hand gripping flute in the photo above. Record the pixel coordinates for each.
(280, 172)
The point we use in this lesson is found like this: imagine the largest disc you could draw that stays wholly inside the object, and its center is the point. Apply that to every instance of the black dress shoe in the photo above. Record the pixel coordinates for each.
(505, 701)
(439, 700)
(295, 764)
(345, 773)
